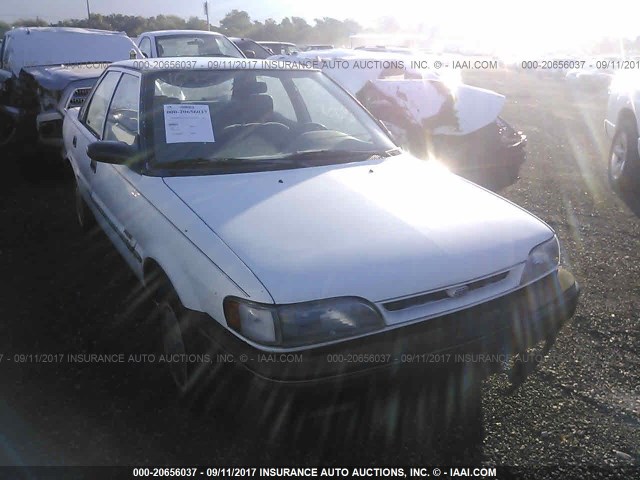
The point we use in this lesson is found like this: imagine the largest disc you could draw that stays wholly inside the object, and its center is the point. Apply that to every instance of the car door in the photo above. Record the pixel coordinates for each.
(114, 186)
(87, 129)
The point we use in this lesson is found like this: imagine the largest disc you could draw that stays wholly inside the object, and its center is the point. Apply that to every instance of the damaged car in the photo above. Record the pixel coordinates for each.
(269, 214)
(46, 70)
(432, 114)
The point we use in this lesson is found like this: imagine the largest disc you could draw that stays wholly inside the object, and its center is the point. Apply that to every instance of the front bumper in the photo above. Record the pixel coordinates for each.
(501, 328)
(491, 156)
(34, 129)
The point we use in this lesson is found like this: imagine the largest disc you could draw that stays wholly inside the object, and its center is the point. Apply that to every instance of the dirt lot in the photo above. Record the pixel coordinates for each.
(63, 292)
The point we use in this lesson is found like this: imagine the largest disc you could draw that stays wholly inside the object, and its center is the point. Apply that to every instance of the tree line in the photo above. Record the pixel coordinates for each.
(236, 23)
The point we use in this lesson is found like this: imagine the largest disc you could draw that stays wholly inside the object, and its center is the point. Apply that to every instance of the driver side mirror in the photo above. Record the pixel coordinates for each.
(250, 54)
(109, 151)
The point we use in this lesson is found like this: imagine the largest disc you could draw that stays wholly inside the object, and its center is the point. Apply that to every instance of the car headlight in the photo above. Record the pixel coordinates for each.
(302, 323)
(48, 100)
(542, 260)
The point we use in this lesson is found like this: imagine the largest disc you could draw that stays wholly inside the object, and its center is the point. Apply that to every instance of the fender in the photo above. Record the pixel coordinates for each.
(179, 278)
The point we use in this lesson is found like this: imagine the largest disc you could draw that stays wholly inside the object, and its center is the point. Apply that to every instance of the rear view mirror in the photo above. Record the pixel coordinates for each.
(116, 153)
(250, 54)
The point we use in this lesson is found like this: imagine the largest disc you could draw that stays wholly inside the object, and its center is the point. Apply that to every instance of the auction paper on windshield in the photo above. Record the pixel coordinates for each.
(184, 123)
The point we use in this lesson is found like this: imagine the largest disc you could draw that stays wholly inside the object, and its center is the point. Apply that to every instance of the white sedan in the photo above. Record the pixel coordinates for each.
(268, 207)
(183, 43)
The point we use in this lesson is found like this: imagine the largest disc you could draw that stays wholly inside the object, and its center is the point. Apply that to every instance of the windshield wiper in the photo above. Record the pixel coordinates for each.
(340, 155)
(187, 163)
(266, 163)
(222, 163)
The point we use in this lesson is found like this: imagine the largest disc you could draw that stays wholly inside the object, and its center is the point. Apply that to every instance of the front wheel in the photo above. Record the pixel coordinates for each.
(624, 159)
(187, 355)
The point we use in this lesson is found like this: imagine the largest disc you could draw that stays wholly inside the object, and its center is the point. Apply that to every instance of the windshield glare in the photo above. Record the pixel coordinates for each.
(195, 46)
(226, 116)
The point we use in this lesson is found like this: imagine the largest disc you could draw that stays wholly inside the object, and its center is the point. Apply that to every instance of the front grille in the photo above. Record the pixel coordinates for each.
(441, 294)
(78, 97)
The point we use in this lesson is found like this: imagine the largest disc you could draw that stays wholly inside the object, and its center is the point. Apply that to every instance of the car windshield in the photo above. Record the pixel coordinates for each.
(249, 45)
(281, 48)
(239, 120)
(194, 45)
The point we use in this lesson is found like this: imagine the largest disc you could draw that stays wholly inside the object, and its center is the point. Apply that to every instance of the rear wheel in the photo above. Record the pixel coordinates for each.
(624, 158)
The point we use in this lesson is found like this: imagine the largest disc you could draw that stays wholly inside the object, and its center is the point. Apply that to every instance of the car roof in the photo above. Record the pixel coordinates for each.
(209, 63)
(28, 30)
(163, 33)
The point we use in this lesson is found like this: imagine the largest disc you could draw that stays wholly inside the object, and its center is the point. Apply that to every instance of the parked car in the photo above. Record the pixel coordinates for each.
(251, 48)
(430, 113)
(307, 48)
(590, 78)
(622, 124)
(187, 43)
(387, 48)
(281, 48)
(270, 215)
(46, 70)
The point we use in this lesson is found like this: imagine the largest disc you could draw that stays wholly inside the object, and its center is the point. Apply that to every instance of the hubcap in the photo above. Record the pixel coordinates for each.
(619, 156)
(173, 343)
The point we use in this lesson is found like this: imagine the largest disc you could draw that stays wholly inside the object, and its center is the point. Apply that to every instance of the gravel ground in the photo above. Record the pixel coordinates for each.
(68, 293)
(583, 405)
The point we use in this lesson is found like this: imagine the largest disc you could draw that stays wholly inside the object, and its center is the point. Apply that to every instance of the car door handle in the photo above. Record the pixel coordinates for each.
(74, 141)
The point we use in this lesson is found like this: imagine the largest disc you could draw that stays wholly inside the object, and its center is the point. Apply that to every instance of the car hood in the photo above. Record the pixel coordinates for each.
(57, 77)
(379, 229)
(429, 99)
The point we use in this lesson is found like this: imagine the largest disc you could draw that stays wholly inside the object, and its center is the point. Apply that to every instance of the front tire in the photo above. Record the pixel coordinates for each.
(624, 158)
(184, 351)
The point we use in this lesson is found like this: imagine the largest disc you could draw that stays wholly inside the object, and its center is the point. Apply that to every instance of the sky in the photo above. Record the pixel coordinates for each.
(533, 26)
